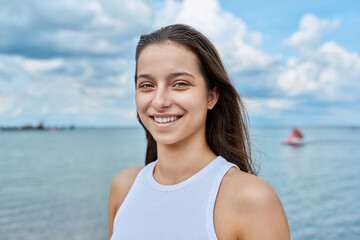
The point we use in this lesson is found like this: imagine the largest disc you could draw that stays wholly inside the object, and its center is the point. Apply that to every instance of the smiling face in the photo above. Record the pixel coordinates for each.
(171, 95)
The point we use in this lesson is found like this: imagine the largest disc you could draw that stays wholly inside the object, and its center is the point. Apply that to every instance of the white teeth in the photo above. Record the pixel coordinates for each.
(165, 120)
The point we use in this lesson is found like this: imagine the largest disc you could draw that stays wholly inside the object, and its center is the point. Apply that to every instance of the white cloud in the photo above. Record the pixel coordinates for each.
(299, 78)
(330, 73)
(79, 58)
(16, 112)
(229, 34)
(6, 103)
(44, 109)
(50, 88)
(338, 56)
(321, 72)
(131, 114)
(77, 84)
(71, 110)
(310, 32)
(9, 106)
(104, 92)
(76, 27)
(38, 67)
(270, 107)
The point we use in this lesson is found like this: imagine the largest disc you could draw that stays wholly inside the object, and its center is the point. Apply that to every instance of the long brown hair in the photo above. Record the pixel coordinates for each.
(226, 123)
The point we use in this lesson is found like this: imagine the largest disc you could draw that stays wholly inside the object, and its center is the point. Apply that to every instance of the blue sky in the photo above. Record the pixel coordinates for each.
(68, 62)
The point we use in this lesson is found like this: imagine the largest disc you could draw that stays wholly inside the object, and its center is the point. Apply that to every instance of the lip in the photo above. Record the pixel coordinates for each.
(165, 115)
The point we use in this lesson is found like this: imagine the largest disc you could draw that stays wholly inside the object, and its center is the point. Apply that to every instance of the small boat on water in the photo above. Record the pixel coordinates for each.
(295, 138)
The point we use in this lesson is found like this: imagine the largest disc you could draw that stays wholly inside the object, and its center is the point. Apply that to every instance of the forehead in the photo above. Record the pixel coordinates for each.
(167, 54)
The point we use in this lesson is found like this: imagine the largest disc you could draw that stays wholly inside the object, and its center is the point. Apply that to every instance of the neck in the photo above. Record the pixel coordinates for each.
(180, 161)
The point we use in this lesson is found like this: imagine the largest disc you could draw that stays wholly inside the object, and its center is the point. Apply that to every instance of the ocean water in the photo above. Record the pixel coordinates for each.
(55, 185)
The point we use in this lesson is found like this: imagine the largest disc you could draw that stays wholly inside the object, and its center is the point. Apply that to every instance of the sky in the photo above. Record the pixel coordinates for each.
(71, 62)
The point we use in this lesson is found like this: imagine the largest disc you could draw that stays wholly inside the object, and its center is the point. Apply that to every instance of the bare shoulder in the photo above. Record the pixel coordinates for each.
(248, 188)
(120, 186)
(257, 212)
(123, 180)
(127, 175)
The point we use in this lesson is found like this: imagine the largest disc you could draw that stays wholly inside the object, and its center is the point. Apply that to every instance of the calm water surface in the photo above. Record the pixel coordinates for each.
(55, 185)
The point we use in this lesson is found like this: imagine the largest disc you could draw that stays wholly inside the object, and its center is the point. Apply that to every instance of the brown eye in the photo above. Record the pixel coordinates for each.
(145, 85)
(181, 84)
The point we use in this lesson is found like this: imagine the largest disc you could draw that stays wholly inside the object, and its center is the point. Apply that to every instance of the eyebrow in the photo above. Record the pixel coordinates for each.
(148, 76)
(177, 74)
(169, 76)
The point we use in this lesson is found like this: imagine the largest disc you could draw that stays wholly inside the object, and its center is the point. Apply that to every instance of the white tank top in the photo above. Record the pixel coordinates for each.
(152, 211)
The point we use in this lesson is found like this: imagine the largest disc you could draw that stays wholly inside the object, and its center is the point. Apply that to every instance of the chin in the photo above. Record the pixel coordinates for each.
(165, 140)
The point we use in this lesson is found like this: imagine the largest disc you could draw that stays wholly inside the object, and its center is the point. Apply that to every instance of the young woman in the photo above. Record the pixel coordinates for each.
(199, 181)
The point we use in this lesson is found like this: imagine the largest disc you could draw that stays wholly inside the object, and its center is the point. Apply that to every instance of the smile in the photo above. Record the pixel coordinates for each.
(166, 119)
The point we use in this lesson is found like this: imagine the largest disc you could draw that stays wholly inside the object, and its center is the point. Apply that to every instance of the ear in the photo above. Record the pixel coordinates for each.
(213, 96)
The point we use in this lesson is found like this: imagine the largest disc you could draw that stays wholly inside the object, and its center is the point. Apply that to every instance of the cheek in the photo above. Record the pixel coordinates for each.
(141, 107)
(141, 101)
(196, 101)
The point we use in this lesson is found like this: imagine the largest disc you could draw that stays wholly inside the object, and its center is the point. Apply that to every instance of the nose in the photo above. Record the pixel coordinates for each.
(162, 98)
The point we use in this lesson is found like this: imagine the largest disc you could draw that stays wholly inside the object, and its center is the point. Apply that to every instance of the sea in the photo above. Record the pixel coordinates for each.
(55, 185)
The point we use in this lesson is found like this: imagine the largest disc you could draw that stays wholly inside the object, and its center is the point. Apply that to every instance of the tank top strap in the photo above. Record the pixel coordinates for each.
(213, 194)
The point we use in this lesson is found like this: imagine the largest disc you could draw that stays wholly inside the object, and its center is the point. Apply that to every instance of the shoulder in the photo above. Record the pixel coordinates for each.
(247, 188)
(120, 186)
(126, 175)
(123, 180)
(255, 205)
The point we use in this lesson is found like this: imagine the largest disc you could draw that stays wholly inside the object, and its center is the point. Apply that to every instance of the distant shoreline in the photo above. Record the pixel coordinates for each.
(48, 128)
